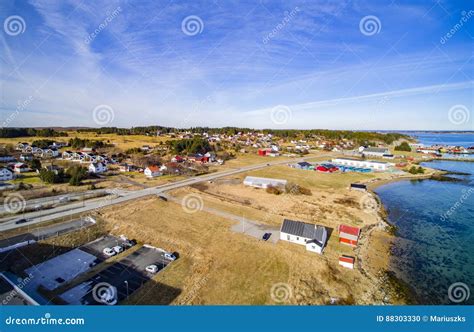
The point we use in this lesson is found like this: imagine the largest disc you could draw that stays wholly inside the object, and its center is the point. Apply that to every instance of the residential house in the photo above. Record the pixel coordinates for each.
(198, 158)
(314, 237)
(97, 168)
(26, 157)
(127, 167)
(303, 165)
(152, 171)
(177, 159)
(375, 152)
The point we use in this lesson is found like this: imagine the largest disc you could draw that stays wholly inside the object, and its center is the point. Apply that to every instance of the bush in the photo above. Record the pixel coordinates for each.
(416, 170)
(274, 190)
(295, 189)
(404, 146)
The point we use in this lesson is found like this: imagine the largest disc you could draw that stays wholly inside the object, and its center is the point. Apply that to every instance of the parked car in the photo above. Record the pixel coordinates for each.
(129, 243)
(118, 249)
(152, 268)
(64, 199)
(170, 256)
(38, 207)
(266, 236)
(109, 252)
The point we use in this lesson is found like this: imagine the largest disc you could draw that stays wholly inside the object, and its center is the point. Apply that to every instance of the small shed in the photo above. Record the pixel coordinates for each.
(348, 235)
(347, 261)
(358, 186)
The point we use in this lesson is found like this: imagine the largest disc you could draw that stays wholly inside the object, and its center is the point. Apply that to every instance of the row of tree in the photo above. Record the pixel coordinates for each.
(29, 132)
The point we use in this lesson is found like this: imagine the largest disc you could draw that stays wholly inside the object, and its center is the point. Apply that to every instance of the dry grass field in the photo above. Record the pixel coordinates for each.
(218, 266)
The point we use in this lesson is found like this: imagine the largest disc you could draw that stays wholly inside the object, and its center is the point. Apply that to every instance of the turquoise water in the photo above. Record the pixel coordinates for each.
(435, 232)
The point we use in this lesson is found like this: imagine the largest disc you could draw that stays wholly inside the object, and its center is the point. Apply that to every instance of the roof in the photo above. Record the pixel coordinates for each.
(154, 168)
(309, 231)
(378, 150)
(358, 185)
(304, 164)
(349, 230)
(268, 181)
(347, 259)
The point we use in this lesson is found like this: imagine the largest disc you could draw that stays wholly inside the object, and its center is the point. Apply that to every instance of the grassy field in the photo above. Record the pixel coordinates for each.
(218, 266)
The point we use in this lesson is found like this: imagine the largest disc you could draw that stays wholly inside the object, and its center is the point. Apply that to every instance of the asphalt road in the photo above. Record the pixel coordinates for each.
(94, 204)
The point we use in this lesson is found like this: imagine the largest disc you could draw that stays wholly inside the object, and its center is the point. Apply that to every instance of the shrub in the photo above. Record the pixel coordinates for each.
(274, 190)
(295, 189)
(416, 170)
(404, 146)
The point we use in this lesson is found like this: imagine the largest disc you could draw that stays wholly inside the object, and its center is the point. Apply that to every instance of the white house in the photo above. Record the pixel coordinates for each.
(97, 168)
(375, 152)
(375, 165)
(314, 237)
(152, 171)
(5, 174)
(21, 168)
(264, 183)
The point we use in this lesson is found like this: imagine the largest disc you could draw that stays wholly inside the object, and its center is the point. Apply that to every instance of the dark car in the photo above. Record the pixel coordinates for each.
(163, 198)
(266, 236)
(21, 221)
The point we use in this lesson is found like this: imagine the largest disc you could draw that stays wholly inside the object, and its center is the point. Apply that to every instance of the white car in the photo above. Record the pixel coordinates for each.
(152, 268)
(170, 256)
(109, 252)
(118, 249)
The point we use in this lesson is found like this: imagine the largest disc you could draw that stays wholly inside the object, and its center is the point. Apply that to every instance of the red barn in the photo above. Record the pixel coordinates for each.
(348, 235)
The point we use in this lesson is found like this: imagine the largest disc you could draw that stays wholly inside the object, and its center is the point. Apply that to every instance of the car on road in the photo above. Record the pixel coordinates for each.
(170, 256)
(118, 249)
(64, 199)
(152, 268)
(266, 236)
(163, 198)
(21, 221)
(109, 252)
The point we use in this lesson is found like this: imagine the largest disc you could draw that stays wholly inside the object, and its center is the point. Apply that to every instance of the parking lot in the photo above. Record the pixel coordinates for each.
(256, 230)
(126, 276)
(96, 247)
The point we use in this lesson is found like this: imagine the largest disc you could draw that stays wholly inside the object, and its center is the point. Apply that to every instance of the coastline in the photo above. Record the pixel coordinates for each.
(382, 236)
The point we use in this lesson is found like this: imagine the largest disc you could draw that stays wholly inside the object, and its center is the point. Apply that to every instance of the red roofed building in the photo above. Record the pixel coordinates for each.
(348, 235)
(347, 261)
(264, 152)
(152, 171)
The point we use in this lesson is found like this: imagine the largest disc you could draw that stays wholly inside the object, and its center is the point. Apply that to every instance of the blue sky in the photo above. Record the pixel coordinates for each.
(311, 63)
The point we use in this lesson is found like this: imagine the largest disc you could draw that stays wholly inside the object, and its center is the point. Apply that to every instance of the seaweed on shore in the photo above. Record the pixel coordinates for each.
(401, 290)
(444, 178)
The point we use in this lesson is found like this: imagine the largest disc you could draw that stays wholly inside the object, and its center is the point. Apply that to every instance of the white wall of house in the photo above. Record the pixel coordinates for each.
(149, 173)
(293, 238)
(361, 163)
(314, 248)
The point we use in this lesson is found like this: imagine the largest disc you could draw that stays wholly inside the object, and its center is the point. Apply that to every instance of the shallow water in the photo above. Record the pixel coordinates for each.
(435, 229)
